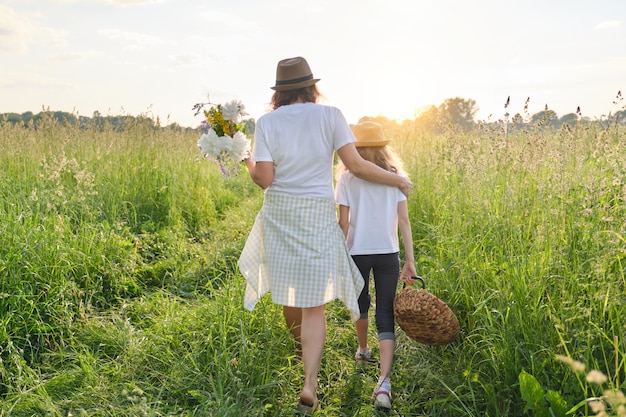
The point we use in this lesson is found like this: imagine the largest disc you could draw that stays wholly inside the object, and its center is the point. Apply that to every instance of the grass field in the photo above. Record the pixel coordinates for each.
(120, 295)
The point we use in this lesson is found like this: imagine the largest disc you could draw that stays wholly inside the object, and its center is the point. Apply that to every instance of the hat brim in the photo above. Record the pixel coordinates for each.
(287, 87)
(371, 144)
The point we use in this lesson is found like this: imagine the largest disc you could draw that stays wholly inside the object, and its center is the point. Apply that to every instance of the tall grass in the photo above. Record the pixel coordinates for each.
(524, 236)
(120, 295)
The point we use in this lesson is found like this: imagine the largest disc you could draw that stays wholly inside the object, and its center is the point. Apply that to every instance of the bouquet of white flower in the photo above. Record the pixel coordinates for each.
(225, 140)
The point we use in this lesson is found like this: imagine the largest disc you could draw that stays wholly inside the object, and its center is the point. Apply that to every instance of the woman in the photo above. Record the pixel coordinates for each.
(296, 249)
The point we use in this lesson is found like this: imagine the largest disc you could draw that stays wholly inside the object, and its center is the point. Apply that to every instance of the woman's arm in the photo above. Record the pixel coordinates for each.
(371, 172)
(262, 173)
(408, 270)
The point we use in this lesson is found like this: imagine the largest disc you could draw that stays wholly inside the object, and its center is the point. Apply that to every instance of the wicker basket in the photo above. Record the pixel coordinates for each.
(424, 317)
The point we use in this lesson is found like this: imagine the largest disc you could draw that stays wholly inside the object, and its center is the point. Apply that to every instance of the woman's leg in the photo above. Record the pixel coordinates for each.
(313, 336)
(293, 319)
(361, 333)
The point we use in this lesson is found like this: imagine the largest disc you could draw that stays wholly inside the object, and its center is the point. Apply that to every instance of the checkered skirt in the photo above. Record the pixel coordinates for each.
(297, 252)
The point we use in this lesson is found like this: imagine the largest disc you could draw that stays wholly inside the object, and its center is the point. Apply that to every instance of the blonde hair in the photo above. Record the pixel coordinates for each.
(383, 156)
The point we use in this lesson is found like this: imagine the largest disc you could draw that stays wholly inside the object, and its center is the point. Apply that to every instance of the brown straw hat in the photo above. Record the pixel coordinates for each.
(369, 134)
(293, 73)
(424, 317)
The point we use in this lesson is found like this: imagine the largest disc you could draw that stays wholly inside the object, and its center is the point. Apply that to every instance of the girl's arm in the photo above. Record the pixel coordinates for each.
(262, 173)
(344, 219)
(371, 172)
(408, 270)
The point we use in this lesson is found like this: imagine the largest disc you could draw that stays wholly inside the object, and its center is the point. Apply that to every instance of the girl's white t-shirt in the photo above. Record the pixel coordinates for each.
(373, 226)
(300, 140)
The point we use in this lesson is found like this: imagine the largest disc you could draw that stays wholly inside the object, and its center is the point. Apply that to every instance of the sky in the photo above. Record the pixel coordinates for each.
(374, 57)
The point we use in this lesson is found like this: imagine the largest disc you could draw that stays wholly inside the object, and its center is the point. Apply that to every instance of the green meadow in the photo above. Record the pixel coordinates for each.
(120, 293)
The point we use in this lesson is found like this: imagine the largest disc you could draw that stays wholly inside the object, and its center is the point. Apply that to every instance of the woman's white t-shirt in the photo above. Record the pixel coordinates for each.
(373, 225)
(300, 140)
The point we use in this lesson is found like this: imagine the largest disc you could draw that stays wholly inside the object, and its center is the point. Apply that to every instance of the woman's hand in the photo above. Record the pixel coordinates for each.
(369, 171)
(406, 186)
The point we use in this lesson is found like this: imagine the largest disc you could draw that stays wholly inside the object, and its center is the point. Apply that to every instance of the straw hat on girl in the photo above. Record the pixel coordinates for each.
(369, 133)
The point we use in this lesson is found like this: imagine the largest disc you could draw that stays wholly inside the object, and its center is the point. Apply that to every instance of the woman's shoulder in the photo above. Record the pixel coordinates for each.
(329, 108)
(323, 108)
(299, 107)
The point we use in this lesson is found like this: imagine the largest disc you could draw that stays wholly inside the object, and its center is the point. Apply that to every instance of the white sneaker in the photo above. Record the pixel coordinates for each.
(382, 399)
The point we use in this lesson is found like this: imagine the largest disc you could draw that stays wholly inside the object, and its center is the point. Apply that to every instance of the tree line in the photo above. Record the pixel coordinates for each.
(457, 112)
(460, 113)
(98, 121)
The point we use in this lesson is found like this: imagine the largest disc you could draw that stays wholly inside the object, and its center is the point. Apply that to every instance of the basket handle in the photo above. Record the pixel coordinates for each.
(417, 278)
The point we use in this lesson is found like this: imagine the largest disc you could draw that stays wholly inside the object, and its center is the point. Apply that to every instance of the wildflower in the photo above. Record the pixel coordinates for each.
(233, 111)
(615, 398)
(576, 366)
(596, 377)
(597, 406)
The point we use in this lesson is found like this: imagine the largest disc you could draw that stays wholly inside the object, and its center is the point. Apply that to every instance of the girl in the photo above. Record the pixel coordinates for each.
(369, 216)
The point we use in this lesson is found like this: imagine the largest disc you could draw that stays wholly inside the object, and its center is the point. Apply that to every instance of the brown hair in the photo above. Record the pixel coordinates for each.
(308, 94)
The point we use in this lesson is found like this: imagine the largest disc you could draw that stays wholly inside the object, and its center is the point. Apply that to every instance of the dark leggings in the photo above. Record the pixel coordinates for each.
(386, 269)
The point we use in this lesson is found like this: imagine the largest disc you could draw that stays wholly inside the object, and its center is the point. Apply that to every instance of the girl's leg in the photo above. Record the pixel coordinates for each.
(387, 348)
(386, 273)
(363, 262)
(313, 336)
(293, 319)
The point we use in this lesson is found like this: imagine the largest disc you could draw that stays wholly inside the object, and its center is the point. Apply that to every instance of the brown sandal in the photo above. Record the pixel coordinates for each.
(306, 408)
